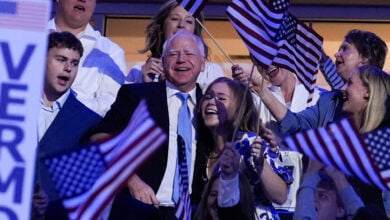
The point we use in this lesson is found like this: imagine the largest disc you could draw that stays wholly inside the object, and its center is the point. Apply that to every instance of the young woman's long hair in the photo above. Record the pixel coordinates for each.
(155, 29)
(248, 122)
(378, 107)
(247, 202)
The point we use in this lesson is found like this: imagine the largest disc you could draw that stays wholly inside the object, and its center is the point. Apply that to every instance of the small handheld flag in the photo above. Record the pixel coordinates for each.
(88, 179)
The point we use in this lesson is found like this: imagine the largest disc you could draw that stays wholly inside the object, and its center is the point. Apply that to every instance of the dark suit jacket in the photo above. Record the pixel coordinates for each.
(152, 170)
(64, 134)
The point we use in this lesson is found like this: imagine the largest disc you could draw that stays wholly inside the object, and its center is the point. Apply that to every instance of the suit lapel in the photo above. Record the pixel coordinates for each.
(66, 114)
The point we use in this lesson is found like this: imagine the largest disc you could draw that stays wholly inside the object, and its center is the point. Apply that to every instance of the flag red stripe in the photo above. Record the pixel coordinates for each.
(80, 209)
(110, 181)
(253, 47)
(29, 16)
(326, 149)
(371, 168)
(301, 58)
(132, 147)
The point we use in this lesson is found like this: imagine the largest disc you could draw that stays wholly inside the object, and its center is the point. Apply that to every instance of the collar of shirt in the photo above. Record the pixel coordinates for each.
(88, 32)
(172, 91)
(58, 104)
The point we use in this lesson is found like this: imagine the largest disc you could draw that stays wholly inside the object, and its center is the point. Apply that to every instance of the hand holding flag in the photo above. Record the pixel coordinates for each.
(88, 179)
(274, 36)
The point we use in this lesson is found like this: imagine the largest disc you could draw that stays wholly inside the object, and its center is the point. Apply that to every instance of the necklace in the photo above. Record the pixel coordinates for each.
(211, 160)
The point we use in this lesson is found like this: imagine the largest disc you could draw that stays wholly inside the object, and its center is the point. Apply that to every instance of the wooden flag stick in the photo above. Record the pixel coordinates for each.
(242, 106)
(215, 41)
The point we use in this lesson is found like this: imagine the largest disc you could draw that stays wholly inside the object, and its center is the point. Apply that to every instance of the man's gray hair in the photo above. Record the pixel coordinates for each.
(184, 34)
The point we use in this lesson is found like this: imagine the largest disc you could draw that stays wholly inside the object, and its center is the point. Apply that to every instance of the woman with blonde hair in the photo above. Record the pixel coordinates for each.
(376, 92)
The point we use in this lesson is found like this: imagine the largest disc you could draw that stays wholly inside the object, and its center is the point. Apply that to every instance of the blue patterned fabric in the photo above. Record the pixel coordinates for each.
(243, 145)
(181, 194)
(105, 64)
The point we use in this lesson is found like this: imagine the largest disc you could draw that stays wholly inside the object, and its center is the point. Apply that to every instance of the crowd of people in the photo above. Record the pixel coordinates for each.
(236, 164)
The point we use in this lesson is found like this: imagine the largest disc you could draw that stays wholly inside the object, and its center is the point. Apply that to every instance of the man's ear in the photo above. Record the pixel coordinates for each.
(204, 64)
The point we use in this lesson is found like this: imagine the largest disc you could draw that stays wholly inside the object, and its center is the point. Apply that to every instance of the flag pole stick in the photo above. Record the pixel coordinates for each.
(242, 106)
(215, 41)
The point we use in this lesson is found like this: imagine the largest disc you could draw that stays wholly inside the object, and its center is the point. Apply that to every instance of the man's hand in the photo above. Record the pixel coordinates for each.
(142, 191)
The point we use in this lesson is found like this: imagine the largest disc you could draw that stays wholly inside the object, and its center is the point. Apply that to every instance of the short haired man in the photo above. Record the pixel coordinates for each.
(102, 68)
(63, 120)
(183, 59)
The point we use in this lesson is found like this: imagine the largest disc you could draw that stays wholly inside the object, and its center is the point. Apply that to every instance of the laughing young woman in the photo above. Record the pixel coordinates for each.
(220, 108)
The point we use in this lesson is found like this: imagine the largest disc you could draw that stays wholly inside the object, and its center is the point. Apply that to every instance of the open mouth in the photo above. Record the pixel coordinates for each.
(344, 96)
(182, 69)
(79, 8)
(338, 62)
(63, 80)
(211, 112)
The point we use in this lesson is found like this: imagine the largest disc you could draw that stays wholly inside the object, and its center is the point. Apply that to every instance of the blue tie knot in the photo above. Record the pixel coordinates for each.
(183, 96)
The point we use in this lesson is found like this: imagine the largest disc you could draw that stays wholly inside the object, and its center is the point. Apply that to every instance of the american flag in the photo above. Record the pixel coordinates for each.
(25, 15)
(183, 205)
(329, 70)
(193, 7)
(88, 179)
(274, 36)
(341, 146)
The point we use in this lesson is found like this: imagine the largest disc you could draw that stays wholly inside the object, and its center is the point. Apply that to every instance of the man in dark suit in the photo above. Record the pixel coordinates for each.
(183, 60)
(63, 120)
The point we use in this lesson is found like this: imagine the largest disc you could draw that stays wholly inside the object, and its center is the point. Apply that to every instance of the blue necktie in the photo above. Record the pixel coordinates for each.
(184, 126)
(184, 139)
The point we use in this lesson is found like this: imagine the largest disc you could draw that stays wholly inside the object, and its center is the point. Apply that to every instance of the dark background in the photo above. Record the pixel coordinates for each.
(294, 2)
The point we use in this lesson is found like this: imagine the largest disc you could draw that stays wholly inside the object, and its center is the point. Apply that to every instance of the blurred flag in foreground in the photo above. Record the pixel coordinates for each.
(23, 15)
(340, 145)
(274, 36)
(193, 7)
(88, 179)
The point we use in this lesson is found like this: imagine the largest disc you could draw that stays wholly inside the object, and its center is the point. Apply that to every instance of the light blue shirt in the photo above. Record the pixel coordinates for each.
(47, 114)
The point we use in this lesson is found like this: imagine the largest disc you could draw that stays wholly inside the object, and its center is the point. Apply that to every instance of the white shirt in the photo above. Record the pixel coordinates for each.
(294, 159)
(101, 70)
(228, 191)
(297, 104)
(48, 114)
(212, 71)
(164, 193)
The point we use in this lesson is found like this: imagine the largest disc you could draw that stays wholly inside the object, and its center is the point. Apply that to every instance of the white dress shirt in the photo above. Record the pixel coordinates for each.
(101, 71)
(164, 193)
